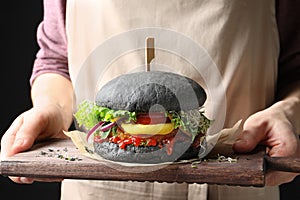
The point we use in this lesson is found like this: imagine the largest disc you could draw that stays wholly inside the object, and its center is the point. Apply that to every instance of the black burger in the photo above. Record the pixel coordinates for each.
(146, 117)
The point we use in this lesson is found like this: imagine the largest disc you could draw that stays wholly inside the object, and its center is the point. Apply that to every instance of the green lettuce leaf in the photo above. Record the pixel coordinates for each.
(89, 114)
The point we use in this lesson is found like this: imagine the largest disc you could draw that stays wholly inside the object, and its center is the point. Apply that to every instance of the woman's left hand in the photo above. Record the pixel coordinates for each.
(275, 128)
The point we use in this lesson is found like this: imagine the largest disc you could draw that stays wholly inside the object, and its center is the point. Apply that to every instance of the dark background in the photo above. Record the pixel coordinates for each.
(19, 21)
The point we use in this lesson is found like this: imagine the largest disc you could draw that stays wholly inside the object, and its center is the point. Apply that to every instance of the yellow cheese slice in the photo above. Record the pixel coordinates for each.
(148, 129)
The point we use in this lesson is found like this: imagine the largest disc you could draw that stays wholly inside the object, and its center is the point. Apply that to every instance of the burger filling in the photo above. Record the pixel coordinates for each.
(140, 129)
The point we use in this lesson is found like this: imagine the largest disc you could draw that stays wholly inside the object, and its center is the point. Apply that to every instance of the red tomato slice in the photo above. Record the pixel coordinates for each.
(152, 118)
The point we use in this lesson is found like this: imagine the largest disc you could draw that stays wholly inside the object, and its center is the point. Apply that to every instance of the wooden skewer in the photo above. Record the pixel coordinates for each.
(149, 52)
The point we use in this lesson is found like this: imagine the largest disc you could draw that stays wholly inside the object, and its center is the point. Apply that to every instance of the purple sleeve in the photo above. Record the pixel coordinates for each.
(51, 38)
(288, 16)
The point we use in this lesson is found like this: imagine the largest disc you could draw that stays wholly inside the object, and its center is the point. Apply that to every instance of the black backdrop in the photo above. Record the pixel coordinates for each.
(19, 21)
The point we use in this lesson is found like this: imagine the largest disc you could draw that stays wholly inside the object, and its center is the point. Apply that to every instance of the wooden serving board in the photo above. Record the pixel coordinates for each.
(61, 159)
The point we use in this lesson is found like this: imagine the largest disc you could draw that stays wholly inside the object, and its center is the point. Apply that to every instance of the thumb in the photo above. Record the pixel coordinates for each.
(32, 126)
(250, 137)
(9, 137)
(13, 141)
(21, 135)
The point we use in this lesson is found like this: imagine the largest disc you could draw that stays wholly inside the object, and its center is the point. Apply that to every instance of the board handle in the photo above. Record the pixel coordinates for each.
(284, 164)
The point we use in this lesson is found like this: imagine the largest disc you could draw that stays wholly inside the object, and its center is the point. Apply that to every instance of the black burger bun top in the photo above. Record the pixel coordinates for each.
(151, 91)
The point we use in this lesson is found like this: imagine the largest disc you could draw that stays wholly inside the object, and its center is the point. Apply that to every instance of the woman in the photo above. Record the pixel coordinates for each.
(241, 37)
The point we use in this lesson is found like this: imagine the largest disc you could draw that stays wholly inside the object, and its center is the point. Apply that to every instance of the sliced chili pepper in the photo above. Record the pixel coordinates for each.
(114, 139)
(122, 145)
(151, 142)
(136, 141)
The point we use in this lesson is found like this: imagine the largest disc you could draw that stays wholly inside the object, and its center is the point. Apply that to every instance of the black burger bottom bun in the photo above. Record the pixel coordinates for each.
(145, 155)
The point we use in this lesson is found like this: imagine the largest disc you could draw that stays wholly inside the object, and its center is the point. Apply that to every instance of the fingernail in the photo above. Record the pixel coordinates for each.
(26, 180)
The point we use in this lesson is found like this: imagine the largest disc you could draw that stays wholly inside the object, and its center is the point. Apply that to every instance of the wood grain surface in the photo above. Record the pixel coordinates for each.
(60, 159)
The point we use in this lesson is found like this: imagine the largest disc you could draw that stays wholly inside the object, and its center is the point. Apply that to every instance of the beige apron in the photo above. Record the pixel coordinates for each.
(228, 46)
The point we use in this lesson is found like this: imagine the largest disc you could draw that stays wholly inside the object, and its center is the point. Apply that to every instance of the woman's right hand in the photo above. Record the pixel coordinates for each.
(36, 124)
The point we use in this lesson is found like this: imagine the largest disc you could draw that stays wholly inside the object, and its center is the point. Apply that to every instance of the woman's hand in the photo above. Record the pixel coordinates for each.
(36, 124)
(275, 128)
(52, 97)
